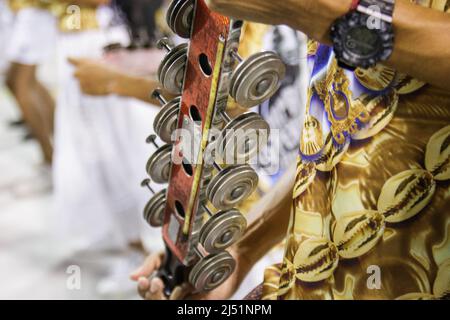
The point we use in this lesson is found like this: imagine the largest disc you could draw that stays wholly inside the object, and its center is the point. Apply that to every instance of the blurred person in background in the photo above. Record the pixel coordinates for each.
(6, 22)
(129, 71)
(25, 54)
(141, 20)
(100, 150)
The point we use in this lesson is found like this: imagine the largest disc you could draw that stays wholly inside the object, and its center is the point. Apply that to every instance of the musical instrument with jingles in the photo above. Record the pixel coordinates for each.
(204, 160)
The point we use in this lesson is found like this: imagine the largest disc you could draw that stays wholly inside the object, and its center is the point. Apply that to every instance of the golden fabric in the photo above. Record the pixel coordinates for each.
(73, 18)
(17, 5)
(252, 38)
(371, 204)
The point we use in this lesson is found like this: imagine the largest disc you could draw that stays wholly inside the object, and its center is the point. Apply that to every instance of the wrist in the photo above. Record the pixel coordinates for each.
(338, 9)
(354, 4)
(117, 84)
(321, 15)
(344, 6)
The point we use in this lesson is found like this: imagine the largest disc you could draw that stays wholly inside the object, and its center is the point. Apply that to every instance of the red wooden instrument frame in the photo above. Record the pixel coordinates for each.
(208, 28)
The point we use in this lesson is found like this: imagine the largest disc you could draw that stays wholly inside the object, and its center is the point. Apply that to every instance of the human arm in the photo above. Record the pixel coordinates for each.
(99, 79)
(422, 39)
(268, 221)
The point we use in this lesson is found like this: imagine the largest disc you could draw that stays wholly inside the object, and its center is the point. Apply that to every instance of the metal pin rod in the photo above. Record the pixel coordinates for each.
(151, 139)
(197, 251)
(164, 43)
(146, 183)
(236, 55)
(157, 95)
(207, 210)
(225, 116)
(218, 168)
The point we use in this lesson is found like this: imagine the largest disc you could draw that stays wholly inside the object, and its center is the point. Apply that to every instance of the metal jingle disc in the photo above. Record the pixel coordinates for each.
(262, 80)
(212, 271)
(163, 63)
(179, 52)
(159, 164)
(181, 18)
(169, 58)
(174, 75)
(243, 138)
(232, 186)
(181, 57)
(259, 82)
(170, 10)
(222, 230)
(258, 65)
(245, 65)
(166, 120)
(154, 210)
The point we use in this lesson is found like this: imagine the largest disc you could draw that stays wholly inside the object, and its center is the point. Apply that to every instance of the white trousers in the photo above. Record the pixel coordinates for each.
(6, 23)
(33, 37)
(100, 156)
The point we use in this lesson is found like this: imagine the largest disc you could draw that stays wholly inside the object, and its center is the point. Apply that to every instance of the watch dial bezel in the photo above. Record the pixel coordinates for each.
(354, 20)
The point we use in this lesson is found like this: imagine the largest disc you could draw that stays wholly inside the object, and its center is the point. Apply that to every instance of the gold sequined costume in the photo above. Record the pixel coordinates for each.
(371, 204)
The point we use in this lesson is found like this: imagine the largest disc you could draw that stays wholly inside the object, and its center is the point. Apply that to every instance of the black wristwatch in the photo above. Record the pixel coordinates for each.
(365, 35)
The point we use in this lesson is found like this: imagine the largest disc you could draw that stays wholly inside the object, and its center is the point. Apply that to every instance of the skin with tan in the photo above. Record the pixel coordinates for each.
(35, 103)
(421, 34)
(429, 61)
(99, 79)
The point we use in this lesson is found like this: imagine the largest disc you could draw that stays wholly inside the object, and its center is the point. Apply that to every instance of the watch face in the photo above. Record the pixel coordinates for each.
(362, 42)
(357, 45)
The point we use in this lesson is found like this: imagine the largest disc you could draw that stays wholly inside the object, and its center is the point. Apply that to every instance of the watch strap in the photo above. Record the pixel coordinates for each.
(354, 5)
(381, 9)
(345, 48)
